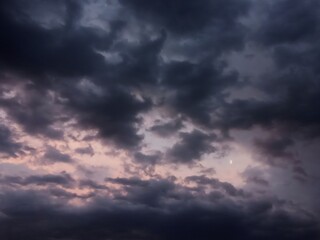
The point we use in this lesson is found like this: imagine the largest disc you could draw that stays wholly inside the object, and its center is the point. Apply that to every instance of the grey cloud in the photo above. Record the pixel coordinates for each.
(85, 150)
(185, 17)
(149, 159)
(127, 181)
(53, 155)
(8, 146)
(197, 89)
(289, 22)
(167, 129)
(62, 179)
(255, 176)
(47, 51)
(114, 114)
(87, 183)
(179, 68)
(215, 183)
(275, 149)
(35, 112)
(56, 67)
(175, 215)
(191, 147)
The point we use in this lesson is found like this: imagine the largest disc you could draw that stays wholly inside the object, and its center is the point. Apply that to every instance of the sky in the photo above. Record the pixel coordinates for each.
(159, 120)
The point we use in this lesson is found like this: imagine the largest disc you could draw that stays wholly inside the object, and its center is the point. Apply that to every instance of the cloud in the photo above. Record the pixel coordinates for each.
(127, 181)
(275, 149)
(47, 51)
(187, 17)
(7, 144)
(85, 150)
(59, 53)
(69, 61)
(114, 114)
(289, 22)
(215, 183)
(53, 155)
(255, 176)
(165, 60)
(62, 179)
(174, 215)
(191, 147)
(195, 89)
(34, 111)
(167, 129)
(87, 183)
(148, 159)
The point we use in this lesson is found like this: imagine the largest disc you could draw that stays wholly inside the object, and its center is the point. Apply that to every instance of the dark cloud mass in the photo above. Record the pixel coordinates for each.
(64, 179)
(168, 128)
(290, 22)
(7, 144)
(191, 147)
(46, 51)
(36, 116)
(53, 155)
(110, 108)
(175, 214)
(185, 17)
(196, 89)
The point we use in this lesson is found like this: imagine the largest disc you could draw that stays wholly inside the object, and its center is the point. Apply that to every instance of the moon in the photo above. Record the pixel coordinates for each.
(230, 161)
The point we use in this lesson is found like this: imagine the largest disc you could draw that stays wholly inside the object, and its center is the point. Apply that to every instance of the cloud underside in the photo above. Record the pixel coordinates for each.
(149, 209)
(131, 74)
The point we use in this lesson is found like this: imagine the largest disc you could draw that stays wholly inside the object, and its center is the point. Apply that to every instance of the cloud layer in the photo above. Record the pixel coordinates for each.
(137, 120)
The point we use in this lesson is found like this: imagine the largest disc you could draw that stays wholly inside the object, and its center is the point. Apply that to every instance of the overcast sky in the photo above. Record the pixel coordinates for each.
(159, 119)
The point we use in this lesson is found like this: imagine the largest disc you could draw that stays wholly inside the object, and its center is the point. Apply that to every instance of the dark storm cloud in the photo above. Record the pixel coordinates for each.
(279, 152)
(127, 181)
(289, 32)
(140, 63)
(295, 94)
(74, 12)
(87, 183)
(53, 155)
(257, 180)
(168, 128)
(186, 17)
(197, 89)
(290, 109)
(195, 30)
(216, 183)
(106, 80)
(49, 56)
(148, 192)
(54, 58)
(174, 215)
(300, 171)
(149, 159)
(191, 147)
(255, 176)
(292, 112)
(114, 113)
(58, 51)
(300, 174)
(65, 195)
(8, 146)
(62, 179)
(275, 149)
(290, 21)
(34, 111)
